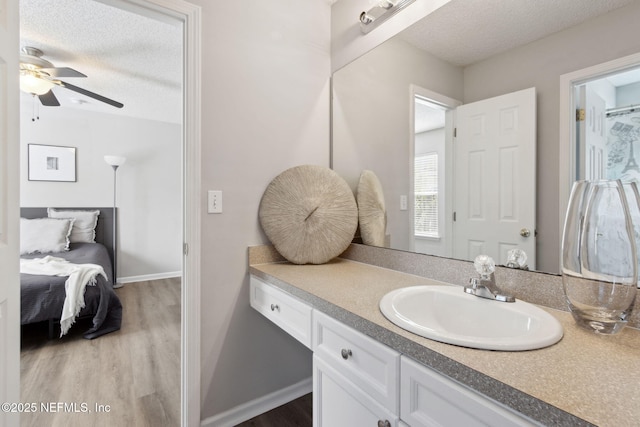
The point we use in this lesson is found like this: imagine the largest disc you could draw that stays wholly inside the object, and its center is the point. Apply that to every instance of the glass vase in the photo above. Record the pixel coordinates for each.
(599, 263)
(633, 201)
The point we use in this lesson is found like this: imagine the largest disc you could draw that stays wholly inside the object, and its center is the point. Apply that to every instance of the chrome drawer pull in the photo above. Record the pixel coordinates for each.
(346, 353)
(275, 307)
(384, 423)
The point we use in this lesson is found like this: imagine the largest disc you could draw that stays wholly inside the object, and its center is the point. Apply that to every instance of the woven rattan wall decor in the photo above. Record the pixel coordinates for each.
(372, 213)
(309, 214)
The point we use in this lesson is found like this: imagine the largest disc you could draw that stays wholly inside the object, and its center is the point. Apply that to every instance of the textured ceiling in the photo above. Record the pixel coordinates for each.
(127, 57)
(463, 32)
(137, 60)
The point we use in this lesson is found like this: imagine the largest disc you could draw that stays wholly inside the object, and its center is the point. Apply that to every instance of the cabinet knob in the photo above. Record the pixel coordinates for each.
(384, 423)
(346, 353)
(275, 307)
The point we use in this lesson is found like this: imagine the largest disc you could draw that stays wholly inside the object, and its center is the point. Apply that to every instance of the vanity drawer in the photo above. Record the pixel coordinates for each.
(431, 399)
(290, 314)
(371, 366)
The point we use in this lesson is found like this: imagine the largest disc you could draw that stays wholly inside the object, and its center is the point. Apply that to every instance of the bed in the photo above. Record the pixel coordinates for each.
(42, 296)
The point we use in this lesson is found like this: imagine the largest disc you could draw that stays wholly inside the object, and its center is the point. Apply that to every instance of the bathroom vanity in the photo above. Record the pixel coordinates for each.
(368, 371)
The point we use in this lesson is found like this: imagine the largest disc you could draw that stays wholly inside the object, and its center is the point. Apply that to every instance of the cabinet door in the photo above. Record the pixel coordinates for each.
(290, 314)
(337, 402)
(371, 366)
(428, 399)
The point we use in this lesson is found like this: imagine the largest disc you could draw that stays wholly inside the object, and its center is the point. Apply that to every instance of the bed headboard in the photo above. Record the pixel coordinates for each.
(104, 229)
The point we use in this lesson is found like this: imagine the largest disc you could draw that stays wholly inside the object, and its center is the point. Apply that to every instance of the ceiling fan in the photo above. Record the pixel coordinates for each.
(38, 76)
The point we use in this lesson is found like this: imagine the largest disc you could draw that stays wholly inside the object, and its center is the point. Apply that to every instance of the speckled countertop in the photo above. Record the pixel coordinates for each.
(582, 380)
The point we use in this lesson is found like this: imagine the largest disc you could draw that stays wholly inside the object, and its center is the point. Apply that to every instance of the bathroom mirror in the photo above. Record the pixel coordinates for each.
(461, 54)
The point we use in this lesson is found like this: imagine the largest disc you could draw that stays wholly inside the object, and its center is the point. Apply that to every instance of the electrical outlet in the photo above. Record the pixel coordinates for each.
(214, 201)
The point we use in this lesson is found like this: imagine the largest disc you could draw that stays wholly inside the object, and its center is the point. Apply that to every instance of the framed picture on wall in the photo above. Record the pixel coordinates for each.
(52, 163)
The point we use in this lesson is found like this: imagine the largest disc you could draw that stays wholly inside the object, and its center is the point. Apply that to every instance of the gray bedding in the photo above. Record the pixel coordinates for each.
(42, 297)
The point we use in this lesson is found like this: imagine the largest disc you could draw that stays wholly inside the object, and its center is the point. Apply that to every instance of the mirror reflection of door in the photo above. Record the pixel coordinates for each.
(495, 175)
(608, 127)
(593, 143)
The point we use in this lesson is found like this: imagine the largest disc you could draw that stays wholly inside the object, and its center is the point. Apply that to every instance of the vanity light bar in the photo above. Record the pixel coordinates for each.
(384, 10)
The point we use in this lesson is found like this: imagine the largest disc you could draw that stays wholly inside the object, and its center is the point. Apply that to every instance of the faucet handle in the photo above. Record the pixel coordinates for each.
(517, 258)
(484, 265)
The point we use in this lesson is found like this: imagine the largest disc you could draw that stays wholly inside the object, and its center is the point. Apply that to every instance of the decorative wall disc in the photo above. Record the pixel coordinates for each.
(309, 213)
(372, 213)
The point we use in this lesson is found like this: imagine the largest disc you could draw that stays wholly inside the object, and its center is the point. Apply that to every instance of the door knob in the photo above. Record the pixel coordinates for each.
(525, 232)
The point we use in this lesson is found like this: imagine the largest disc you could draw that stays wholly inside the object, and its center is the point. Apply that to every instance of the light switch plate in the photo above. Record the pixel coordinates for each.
(403, 203)
(214, 201)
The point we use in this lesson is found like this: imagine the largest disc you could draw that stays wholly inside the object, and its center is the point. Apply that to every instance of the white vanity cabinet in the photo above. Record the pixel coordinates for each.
(357, 381)
(428, 398)
(290, 314)
(355, 378)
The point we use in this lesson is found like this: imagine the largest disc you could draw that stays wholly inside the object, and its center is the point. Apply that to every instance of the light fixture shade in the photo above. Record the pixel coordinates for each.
(34, 85)
(115, 160)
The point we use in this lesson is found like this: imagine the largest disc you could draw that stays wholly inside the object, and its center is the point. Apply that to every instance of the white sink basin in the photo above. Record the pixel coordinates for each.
(448, 314)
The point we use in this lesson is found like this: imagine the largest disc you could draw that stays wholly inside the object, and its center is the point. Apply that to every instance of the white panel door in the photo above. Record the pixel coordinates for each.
(592, 136)
(9, 212)
(495, 177)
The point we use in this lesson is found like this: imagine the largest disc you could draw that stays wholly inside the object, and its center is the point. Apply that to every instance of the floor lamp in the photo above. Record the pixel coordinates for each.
(115, 162)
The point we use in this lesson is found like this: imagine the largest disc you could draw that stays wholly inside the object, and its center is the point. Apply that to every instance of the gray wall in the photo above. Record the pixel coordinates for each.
(371, 120)
(149, 183)
(372, 103)
(265, 108)
(541, 64)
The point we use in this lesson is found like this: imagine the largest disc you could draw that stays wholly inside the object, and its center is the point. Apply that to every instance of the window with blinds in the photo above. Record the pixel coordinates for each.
(426, 195)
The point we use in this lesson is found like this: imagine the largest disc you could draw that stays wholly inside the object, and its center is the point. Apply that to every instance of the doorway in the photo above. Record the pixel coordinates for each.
(432, 121)
(429, 184)
(614, 85)
(608, 127)
(481, 200)
(189, 15)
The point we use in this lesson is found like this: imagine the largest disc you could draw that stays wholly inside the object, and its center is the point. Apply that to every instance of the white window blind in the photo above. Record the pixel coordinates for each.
(426, 195)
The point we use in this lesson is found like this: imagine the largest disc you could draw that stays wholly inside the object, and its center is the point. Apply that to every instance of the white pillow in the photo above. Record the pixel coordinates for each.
(84, 225)
(42, 235)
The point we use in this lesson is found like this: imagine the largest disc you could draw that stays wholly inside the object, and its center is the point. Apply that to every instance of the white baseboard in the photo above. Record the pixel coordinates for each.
(246, 411)
(144, 277)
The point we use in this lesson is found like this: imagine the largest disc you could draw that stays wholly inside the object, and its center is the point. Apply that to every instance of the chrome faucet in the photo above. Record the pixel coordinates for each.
(485, 285)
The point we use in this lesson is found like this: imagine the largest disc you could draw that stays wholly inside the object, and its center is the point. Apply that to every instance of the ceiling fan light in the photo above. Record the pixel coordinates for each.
(34, 85)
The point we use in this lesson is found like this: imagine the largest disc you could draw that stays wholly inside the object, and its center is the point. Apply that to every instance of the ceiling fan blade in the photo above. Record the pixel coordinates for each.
(88, 93)
(62, 72)
(49, 99)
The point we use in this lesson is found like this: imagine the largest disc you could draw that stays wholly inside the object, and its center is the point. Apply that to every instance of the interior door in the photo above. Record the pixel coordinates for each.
(592, 140)
(495, 177)
(9, 212)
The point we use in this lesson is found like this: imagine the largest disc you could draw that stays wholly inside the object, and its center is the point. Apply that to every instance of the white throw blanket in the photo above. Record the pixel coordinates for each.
(80, 275)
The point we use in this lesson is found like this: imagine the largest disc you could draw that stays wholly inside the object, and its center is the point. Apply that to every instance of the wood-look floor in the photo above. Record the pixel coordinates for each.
(133, 373)
(297, 413)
